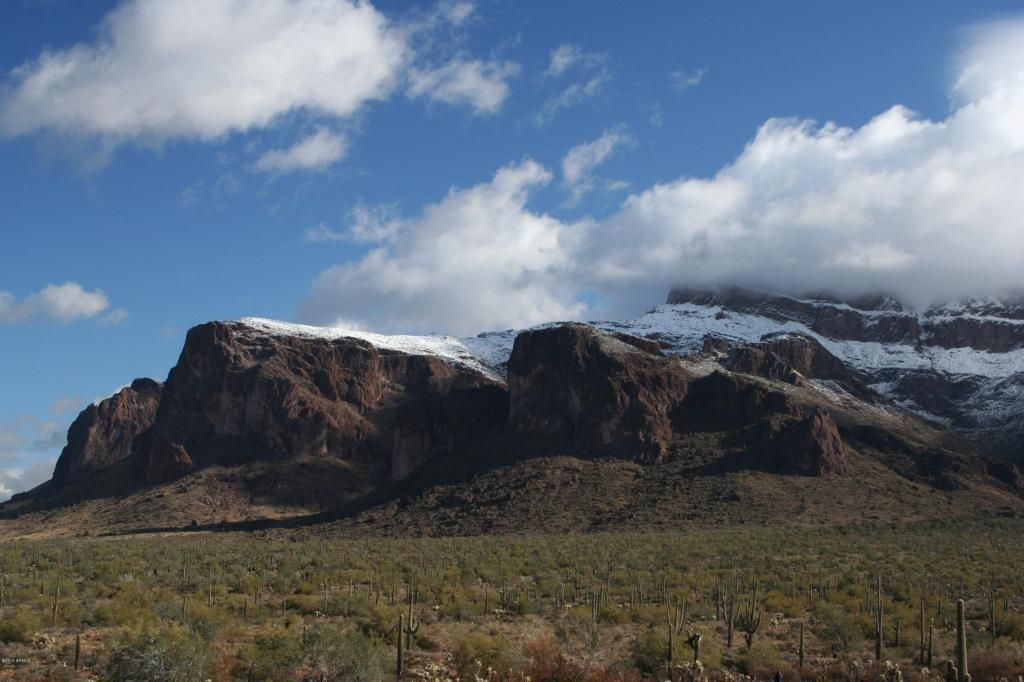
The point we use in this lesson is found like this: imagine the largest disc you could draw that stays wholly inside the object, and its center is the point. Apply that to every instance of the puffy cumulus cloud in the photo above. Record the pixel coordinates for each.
(483, 86)
(314, 152)
(579, 163)
(60, 302)
(205, 68)
(929, 210)
(478, 259)
(924, 209)
(19, 479)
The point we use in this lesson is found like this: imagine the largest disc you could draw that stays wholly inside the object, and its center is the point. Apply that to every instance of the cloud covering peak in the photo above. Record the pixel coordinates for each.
(929, 210)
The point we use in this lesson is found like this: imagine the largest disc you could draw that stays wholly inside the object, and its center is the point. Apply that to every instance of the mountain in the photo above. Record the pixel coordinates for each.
(718, 407)
(959, 365)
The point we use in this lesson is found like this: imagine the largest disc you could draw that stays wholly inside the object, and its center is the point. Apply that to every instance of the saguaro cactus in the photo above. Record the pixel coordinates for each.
(56, 600)
(413, 623)
(922, 659)
(801, 645)
(931, 639)
(694, 641)
(675, 616)
(878, 620)
(750, 620)
(400, 659)
(961, 643)
(992, 615)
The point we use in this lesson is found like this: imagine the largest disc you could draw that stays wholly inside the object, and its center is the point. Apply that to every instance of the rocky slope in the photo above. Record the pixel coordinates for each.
(959, 365)
(712, 387)
(108, 432)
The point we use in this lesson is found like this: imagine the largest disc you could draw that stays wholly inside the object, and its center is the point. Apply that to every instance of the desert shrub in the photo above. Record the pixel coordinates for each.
(837, 627)
(1012, 626)
(170, 655)
(272, 657)
(335, 653)
(776, 602)
(475, 651)
(615, 615)
(19, 627)
(760, 660)
(1003, 661)
(545, 662)
(650, 651)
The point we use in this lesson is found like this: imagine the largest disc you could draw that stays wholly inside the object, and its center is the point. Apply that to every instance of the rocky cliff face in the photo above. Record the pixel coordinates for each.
(239, 394)
(959, 365)
(108, 432)
(715, 384)
(996, 327)
(574, 389)
(808, 445)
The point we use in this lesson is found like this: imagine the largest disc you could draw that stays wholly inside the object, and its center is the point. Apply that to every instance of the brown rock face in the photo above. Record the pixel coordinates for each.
(575, 390)
(987, 327)
(792, 358)
(808, 446)
(443, 424)
(238, 394)
(106, 433)
(724, 401)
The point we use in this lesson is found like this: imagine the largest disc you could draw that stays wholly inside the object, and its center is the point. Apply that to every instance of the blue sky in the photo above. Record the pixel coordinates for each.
(379, 166)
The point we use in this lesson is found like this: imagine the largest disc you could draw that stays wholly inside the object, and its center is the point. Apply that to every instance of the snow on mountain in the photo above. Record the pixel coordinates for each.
(928, 362)
(681, 328)
(450, 348)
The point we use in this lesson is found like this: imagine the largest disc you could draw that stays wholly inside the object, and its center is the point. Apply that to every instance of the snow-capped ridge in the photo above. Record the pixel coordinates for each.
(450, 348)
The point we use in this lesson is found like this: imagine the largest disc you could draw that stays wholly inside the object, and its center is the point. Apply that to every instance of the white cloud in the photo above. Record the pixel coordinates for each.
(116, 316)
(20, 469)
(50, 435)
(367, 224)
(477, 259)
(65, 404)
(562, 57)
(880, 256)
(571, 96)
(314, 152)
(456, 13)
(579, 163)
(926, 209)
(11, 440)
(682, 80)
(19, 479)
(567, 57)
(591, 72)
(483, 86)
(61, 302)
(206, 68)
(320, 233)
(376, 223)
